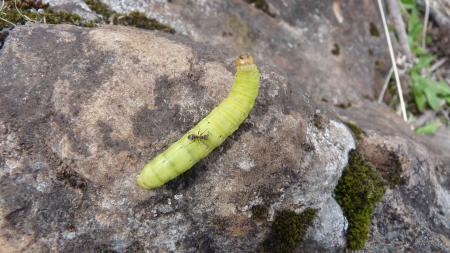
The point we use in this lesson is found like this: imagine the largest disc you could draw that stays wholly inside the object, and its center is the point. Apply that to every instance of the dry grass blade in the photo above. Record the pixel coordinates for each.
(394, 64)
(7, 21)
(385, 85)
(2, 19)
(18, 11)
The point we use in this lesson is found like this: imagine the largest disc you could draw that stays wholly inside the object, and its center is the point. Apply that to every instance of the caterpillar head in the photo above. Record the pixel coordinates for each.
(244, 60)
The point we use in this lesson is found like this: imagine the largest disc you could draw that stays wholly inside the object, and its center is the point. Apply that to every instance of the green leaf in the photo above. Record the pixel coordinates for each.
(447, 99)
(428, 91)
(414, 32)
(418, 88)
(408, 2)
(414, 25)
(429, 128)
(418, 50)
(419, 83)
(425, 61)
(433, 100)
(443, 88)
(421, 101)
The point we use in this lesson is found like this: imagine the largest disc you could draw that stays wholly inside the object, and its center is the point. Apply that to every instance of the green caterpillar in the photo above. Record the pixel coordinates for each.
(220, 123)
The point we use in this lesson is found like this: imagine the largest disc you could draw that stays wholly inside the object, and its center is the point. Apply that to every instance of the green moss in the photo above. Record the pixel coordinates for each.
(60, 17)
(380, 65)
(100, 8)
(138, 19)
(288, 230)
(262, 5)
(27, 4)
(336, 49)
(135, 18)
(355, 129)
(27, 10)
(344, 105)
(357, 192)
(260, 212)
(374, 30)
(89, 23)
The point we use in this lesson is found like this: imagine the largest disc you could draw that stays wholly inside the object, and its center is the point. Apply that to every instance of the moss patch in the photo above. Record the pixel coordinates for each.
(260, 212)
(288, 230)
(344, 105)
(22, 11)
(357, 131)
(262, 5)
(135, 18)
(36, 11)
(374, 30)
(336, 49)
(138, 19)
(357, 192)
(19, 12)
(100, 8)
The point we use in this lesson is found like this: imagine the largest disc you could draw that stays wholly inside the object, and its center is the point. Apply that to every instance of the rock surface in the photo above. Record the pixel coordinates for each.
(84, 109)
(440, 11)
(89, 154)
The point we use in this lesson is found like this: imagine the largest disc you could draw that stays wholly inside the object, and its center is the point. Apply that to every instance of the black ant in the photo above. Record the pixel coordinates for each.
(198, 136)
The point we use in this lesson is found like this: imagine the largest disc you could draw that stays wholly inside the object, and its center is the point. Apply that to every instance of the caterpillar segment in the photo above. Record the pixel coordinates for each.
(220, 123)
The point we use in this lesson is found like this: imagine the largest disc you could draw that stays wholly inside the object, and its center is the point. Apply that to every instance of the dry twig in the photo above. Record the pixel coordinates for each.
(385, 85)
(425, 23)
(437, 65)
(394, 11)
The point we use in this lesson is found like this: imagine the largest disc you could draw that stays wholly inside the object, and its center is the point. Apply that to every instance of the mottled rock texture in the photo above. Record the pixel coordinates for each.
(440, 10)
(82, 110)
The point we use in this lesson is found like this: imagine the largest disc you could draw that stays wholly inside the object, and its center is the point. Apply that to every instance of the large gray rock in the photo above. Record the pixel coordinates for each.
(320, 60)
(338, 56)
(84, 109)
(299, 41)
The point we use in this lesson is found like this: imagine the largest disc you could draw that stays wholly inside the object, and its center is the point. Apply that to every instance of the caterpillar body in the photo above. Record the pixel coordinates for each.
(220, 123)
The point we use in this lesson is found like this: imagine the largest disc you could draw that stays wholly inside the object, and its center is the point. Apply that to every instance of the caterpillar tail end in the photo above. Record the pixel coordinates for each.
(147, 183)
